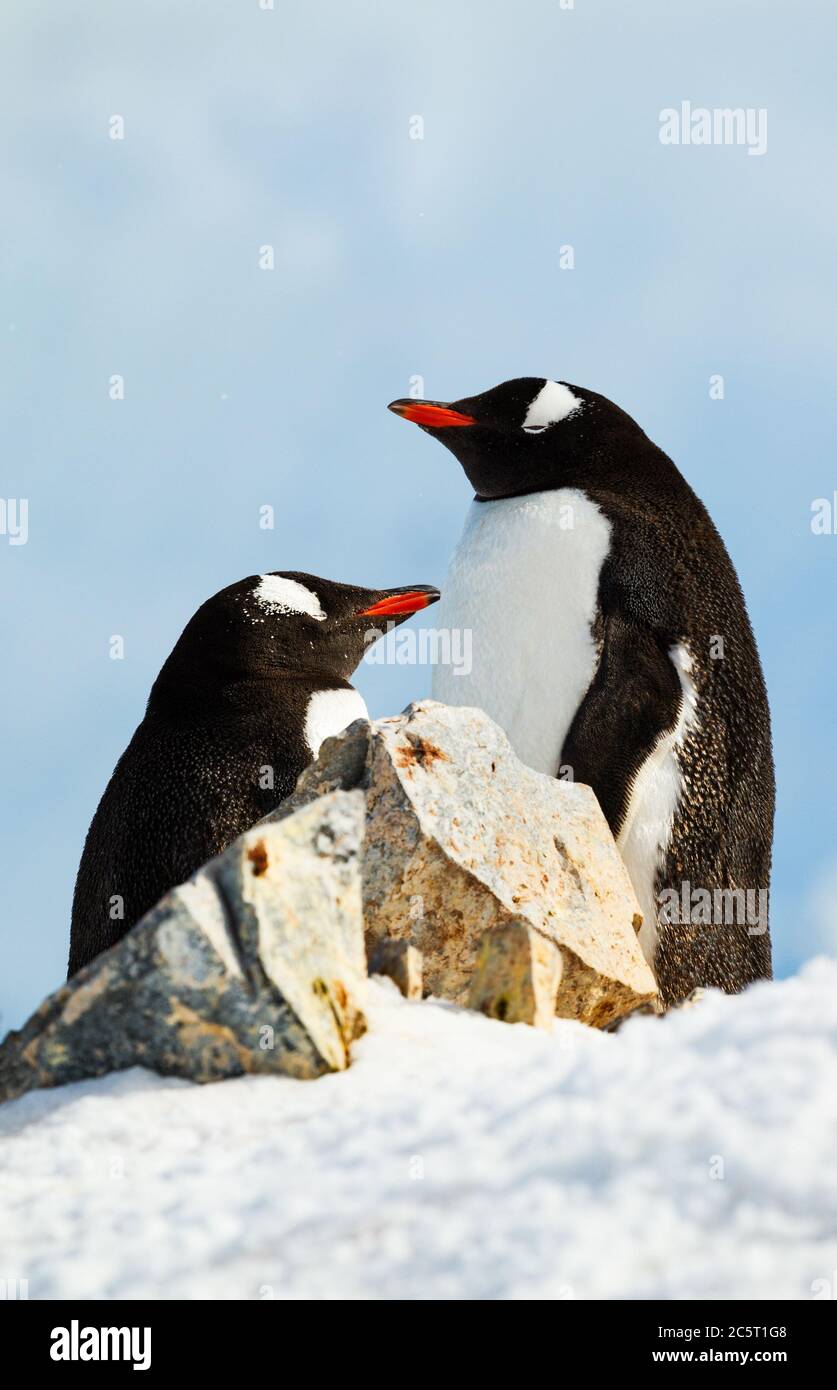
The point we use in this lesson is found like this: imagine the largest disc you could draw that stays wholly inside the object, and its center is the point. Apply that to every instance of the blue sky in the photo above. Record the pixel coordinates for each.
(394, 258)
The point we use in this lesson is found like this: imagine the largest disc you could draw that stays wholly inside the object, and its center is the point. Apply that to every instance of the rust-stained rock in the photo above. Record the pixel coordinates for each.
(401, 962)
(257, 964)
(517, 975)
(461, 838)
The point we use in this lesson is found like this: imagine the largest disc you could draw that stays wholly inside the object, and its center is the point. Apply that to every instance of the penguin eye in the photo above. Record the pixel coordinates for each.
(534, 429)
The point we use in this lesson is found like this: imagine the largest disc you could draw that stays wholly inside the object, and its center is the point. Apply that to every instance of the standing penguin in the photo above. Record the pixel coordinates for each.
(612, 644)
(255, 683)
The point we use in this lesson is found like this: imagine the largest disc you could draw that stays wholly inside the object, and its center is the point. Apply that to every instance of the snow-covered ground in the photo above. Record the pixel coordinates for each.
(459, 1157)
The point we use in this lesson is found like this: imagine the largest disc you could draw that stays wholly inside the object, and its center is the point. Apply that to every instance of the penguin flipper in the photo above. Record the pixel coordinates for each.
(635, 696)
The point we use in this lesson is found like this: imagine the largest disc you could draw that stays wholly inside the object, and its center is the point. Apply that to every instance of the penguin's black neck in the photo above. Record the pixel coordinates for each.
(635, 466)
(184, 689)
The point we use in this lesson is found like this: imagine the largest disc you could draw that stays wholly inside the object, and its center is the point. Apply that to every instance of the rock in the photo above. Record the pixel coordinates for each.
(462, 838)
(256, 964)
(402, 963)
(517, 975)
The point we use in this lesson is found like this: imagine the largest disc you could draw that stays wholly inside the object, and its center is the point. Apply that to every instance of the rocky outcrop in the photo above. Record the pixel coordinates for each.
(472, 877)
(463, 840)
(257, 964)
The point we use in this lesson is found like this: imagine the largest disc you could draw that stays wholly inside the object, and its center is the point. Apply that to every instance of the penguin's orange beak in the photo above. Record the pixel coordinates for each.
(398, 605)
(434, 414)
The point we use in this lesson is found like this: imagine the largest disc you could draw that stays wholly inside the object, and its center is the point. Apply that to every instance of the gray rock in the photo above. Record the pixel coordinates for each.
(462, 838)
(401, 963)
(257, 964)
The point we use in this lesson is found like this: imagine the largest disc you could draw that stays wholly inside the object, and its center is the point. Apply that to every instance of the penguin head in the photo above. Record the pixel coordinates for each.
(290, 620)
(522, 436)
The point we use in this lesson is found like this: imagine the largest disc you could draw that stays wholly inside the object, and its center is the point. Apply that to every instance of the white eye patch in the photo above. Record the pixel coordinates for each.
(554, 402)
(279, 595)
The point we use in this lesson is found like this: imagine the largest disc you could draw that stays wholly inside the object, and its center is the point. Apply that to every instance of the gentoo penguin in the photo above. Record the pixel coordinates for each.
(611, 642)
(256, 681)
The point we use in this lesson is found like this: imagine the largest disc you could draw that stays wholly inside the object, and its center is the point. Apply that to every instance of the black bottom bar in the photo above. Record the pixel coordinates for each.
(89, 1337)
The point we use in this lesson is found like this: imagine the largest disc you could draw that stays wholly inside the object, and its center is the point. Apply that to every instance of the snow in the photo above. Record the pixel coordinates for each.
(457, 1158)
